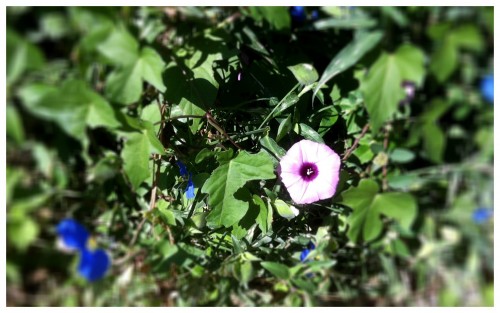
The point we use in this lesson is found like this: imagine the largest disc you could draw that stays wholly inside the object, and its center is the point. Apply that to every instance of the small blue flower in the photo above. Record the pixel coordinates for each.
(298, 14)
(481, 215)
(314, 15)
(73, 234)
(487, 88)
(190, 188)
(306, 251)
(93, 264)
(182, 168)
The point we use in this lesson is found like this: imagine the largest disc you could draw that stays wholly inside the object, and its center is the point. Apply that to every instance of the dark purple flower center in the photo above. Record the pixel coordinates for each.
(308, 171)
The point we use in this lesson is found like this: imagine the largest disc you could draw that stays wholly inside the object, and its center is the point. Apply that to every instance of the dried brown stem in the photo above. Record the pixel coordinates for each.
(356, 142)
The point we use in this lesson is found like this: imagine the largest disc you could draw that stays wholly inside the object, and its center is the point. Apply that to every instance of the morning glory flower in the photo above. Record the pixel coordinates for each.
(481, 215)
(409, 88)
(487, 88)
(298, 14)
(73, 235)
(93, 264)
(306, 251)
(310, 171)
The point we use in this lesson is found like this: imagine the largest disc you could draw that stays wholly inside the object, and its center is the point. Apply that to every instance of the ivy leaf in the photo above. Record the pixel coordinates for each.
(192, 85)
(382, 86)
(427, 127)
(227, 179)
(444, 60)
(368, 204)
(73, 107)
(135, 155)
(347, 57)
(138, 147)
(22, 55)
(124, 85)
(120, 48)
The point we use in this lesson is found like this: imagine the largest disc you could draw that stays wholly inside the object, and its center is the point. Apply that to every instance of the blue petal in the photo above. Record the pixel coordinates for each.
(481, 215)
(304, 254)
(487, 88)
(314, 15)
(73, 234)
(306, 251)
(190, 188)
(182, 168)
(93, 264)
(298, 13)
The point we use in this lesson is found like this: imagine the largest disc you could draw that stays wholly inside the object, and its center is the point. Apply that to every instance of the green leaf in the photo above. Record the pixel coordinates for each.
(165, 214)
(277, 269)
(351, 23)
(54, 26)
(136, 152)
(22, 55)
(73, 106)
(308, 132)
(328, 119)
(401, 155)
(284, 210)
(203, 154)
(21, 233)
(15, 130)
(264, 219)
(368, 205)
(434, 142)
(244, 271)
(304, 73)
(284, 128)
(363, 153)
(276, 16)
(14, 176)
(444, 60)
(32, 94)
(382, 86)
(135, 155)
(124, 85)
(349, 55)
(287, 102)
(227, 179)
(271, 145)
(152, 66)
(120, 48)
(434, 139)
(396, 15)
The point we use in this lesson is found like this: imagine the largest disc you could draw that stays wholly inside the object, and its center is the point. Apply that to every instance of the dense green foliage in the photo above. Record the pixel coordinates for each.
(102, 103)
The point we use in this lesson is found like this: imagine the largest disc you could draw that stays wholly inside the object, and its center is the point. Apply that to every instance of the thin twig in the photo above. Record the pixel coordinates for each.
(214, 123)
(356, 142)
(179, 117)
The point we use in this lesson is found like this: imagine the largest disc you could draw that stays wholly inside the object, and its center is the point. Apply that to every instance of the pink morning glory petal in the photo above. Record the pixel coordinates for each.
(310, 171)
